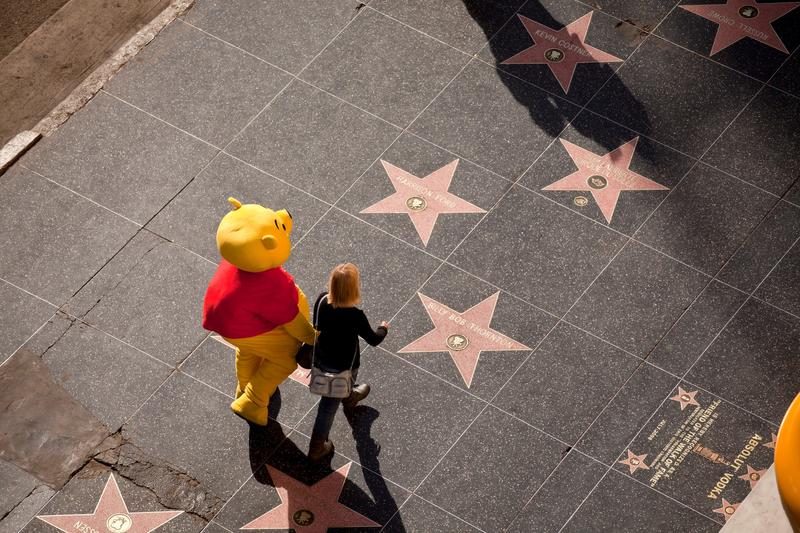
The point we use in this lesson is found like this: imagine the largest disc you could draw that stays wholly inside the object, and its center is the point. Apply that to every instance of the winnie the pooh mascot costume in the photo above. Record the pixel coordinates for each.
(254, 304)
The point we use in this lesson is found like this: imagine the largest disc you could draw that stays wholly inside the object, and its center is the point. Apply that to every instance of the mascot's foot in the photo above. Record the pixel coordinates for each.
(250, 411)
(239, 391)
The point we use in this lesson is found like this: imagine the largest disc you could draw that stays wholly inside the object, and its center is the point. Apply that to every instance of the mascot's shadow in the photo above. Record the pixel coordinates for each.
(271, 444)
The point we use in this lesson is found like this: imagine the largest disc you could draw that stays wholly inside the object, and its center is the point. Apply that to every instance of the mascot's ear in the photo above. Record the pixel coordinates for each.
(269, 242)
(235, 203)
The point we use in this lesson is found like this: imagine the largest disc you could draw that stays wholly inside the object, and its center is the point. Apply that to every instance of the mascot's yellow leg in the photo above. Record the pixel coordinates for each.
(247, 363)
(262, 363)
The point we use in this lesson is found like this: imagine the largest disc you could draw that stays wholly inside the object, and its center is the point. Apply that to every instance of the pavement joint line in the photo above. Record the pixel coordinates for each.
(405, 130)
(663, 38)
(149, 114)
(682, 379)
(623, 474)
(429, 36)
(626, 243)
(26, 341)
(410, 492)
(644, 39)
(629, 128)
(29, 293)
(76, 193)
(538, 193)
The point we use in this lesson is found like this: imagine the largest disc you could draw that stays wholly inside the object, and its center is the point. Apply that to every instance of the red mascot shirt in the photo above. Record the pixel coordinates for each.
(245, 304)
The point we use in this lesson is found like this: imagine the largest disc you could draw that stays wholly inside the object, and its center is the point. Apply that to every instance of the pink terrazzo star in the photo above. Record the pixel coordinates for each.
(727, 509)
(771, 443)
(422, 199)
(301, 375)
(464, 335)
(685, 398)
(111, 515)
(635, 462)
(753, 476)
(604, 176)
(310, 509)
(738, 19)
(561, 50)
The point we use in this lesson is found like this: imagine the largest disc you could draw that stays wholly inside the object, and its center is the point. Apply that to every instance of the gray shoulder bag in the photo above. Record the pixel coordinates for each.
(329, 384)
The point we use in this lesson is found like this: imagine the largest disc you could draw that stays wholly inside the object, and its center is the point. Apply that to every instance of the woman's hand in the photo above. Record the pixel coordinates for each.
(385, 325)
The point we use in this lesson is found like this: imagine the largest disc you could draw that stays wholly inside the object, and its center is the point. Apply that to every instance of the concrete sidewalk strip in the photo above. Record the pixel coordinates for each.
(17, 146)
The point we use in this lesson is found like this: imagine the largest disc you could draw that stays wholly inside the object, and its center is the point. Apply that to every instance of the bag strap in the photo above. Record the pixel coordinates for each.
(316, 321)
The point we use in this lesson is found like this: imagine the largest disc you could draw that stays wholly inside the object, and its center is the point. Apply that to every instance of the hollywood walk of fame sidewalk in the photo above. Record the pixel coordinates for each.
(590, 267)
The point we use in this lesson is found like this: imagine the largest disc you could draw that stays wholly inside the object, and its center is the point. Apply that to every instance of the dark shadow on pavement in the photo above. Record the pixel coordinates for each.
(552, 119)
(271, 445)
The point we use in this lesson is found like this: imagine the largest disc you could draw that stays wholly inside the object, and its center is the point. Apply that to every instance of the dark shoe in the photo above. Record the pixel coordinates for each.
(359, 393)
(319, 449)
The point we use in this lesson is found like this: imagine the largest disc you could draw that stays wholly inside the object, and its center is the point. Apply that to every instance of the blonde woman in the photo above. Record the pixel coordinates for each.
(340, 324)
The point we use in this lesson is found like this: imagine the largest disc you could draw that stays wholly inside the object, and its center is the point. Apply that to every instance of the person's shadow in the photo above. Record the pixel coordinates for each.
(270, 445)
(513, 38)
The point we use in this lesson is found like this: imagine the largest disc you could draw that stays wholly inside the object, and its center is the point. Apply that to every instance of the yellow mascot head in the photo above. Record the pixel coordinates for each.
(254, 238)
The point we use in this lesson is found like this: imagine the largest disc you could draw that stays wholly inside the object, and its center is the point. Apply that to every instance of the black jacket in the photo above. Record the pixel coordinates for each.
(339, 330)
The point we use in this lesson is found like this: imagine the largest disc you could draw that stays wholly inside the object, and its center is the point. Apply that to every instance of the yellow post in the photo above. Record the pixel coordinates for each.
(787, 463)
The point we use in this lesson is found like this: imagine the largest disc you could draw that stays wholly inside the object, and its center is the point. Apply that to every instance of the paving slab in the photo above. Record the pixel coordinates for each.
(755, 43)
(763, 248)
(781, 286)
(696, 328)
(286, 35)
(418, 515)
(291, 491)
(669, 108)
(588, 46)
(111, 152)
(635, 173)
(752, 362)
(60, 239)
(496, 332)
(198, 83)
(537, 250)
(637, 298)
(20, 316)
(229, 450)
(787, 78)
(646, 14)
(758, 146)
(426, 196)
(705, 220)
(618, 499)
(150, 297)
(562, 493)
(492, 482)
(385, 67)
(92, 366)
(466, 25)
(410, 415)
(125, 505)
(192, 217)
(626, 412)
(495, 120)
(314, 141)
(701, 451)
(566, 383)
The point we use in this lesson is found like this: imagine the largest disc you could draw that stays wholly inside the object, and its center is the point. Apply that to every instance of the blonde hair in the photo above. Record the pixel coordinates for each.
(344, 286)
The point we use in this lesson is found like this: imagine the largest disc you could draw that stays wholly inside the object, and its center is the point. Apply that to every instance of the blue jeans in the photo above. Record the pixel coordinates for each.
(326, 412)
